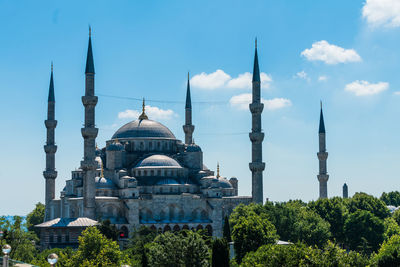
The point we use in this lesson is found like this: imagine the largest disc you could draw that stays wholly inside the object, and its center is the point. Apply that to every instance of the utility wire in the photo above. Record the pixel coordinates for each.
(163, 101)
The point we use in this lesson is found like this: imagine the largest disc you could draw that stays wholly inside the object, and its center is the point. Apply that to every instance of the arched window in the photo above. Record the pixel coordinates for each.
(152, 172)
(145, 173)
(150, 145)
(141, 146)
(199, 227)
(158, 145)
(67, 237)
(159, 172)
(176, 228)
(153, 228)
(204, 215)
(167, 228)
(185, 227)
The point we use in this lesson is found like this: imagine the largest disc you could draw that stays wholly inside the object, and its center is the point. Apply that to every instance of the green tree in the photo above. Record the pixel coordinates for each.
(310, 228)
(108, 230)
(389, 253)
(334, 211)
(220, 253)
(36, 216)
(227, 230)
(301, 255)
(64, 256)
(391, 228)
(396, 216)
(363, 201)
(21, 241)
(96, 250)
(137, 250)
(391, 198)
(363, 231)
(250, 232)
(178, 249)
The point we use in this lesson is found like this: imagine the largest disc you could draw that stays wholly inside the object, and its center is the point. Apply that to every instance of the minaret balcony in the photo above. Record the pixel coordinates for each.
(322, 155)
(89, 132)
(50, 124)
(188, 128)
(256, 137)
(89, 101)
(323, 177)
(88, 165)
(257, 166)
(50, 149)
(50, 174)
(256, 108)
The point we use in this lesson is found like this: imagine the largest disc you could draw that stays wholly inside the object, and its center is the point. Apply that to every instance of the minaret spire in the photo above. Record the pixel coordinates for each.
(256, 136)
(322, 157)
(50, 173)
(188, 128)
(89, 134)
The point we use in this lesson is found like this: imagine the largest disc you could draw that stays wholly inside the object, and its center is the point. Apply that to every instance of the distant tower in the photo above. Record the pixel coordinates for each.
(256, 136)
(89, 134)
(322, 156)
(345, 191)
(50, 174)
(188, 128)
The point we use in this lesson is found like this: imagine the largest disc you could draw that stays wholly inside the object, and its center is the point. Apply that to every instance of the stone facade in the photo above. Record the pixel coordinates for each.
(145, 176)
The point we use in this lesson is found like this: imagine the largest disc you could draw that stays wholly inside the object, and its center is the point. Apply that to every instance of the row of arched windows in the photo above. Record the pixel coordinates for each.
(149, 145)
(158, 172)
(177, 228)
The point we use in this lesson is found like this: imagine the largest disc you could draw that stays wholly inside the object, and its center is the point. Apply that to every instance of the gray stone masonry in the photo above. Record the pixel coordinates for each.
(256, 136)
(50, 173)
(89, 134)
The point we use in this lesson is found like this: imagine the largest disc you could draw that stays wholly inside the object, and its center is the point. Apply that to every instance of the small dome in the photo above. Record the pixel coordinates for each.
(224, 183)
(115, 146)
(102, 182)
(193, 148)
(144, 129)
(158, 161)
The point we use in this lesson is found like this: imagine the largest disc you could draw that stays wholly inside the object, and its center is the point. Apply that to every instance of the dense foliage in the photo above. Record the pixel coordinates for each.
(359, 231)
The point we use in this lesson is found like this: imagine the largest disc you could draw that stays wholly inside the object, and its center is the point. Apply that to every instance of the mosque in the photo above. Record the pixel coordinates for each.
(143, 176)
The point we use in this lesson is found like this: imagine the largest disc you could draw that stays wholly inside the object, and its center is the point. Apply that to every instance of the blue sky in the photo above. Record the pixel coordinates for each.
(342, 52)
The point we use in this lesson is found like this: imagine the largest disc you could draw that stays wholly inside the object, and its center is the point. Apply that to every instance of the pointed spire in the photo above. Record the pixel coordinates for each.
(217, 169)
(143, 116)
(89, 58)
(188, 98)
(51, 87)
(321, 122)
(256, 69)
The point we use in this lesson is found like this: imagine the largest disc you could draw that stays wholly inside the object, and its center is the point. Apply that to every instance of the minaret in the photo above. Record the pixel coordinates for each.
(188, 128)
(345, 191)
(256, 136)
(50, 174)
(89, 134)
(322, 156)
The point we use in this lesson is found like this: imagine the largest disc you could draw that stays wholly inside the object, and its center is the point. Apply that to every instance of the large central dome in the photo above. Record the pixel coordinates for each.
(143, 129)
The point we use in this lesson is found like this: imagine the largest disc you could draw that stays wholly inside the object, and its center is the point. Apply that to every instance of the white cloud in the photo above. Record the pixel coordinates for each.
(277, 103)
(330, 54)
(213, 80)
(219, 79)
(153, 113)
(322, 78)
(363, 88)
(397, 93)
(382, 13)
(242, 102)
(302, 75)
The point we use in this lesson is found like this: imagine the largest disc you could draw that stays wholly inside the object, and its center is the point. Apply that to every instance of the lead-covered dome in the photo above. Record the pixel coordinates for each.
(144, 129)
(158, 161)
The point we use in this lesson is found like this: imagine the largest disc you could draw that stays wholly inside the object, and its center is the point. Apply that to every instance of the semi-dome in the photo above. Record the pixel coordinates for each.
(144, 129)
(158, 161)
